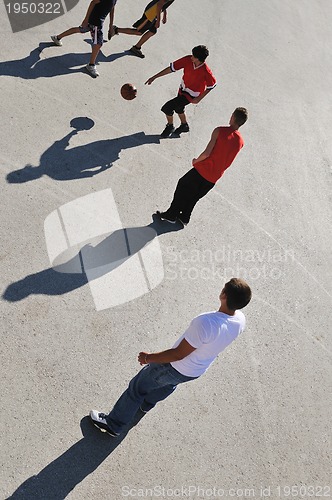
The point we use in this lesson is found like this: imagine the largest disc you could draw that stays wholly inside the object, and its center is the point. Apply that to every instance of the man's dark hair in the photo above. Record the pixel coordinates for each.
(241, 116)
(201, 52)
(238, 294)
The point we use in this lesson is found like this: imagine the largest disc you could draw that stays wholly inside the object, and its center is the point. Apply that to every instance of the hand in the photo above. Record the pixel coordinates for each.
(150, 80)
(142, 358)
(194, 161)
(164, 17)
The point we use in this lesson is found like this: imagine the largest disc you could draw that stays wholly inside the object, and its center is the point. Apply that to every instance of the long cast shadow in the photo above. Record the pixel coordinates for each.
(35, 66)
(63, 164)
(61, 476)
(107, 255)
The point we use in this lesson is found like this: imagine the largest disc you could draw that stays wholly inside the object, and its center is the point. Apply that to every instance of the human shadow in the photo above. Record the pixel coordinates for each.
(67, 275)
(60, 477)
(63, 164)
(35, 66)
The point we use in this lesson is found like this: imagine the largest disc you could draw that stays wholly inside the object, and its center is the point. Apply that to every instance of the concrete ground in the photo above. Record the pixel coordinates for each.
(257, 423)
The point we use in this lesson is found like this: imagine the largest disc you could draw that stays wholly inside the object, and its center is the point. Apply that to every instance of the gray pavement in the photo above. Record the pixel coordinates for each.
(259, 419)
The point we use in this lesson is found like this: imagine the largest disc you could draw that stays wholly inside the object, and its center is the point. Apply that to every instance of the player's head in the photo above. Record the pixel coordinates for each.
(26, 174)
(237, 292)
(200, 52)
(239, 117)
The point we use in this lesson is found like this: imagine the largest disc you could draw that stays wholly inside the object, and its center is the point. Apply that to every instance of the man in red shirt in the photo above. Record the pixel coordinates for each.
(197, 81)
(224, 145)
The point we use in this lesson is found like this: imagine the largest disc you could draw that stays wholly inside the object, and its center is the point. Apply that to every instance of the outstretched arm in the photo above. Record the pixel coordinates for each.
(164, 72)
(111, 19)
(159, 7)
(175, 354)
(208, 150)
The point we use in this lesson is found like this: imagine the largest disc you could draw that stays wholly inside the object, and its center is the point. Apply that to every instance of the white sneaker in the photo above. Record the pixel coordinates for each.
(92, 70)
(56, 40)
(99, 420)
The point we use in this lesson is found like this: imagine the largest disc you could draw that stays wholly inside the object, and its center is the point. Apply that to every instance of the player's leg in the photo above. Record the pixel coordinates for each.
(168, 108)
(97, 42)
(184, 127)
(57, 38)
(126, 31)
(186, 188)
(147, 29)
(202, 188)
(151, 378)
(144, 38)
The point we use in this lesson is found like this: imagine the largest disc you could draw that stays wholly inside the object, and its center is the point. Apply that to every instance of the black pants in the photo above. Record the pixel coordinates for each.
(190, 188)
(177, 104)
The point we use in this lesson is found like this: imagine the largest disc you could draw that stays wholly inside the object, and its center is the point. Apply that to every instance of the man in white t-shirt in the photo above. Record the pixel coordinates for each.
(207, 335)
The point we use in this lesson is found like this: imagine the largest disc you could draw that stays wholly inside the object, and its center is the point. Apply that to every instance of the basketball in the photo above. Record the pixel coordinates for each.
(128, 91)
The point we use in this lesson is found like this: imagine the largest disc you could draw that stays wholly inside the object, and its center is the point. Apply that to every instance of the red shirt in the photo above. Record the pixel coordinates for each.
(228, 144)
(195, 79)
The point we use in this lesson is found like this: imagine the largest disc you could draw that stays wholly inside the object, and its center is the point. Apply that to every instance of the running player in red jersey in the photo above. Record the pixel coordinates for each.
(224, 145)
(197, 81)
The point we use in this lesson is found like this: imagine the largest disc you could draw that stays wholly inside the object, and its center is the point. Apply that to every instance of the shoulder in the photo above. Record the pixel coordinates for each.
(240, 318)
(180, 63)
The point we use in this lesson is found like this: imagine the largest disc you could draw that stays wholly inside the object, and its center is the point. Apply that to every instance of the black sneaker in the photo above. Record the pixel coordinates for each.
(168, 131)
(184, 127)
(99, 420)
(165, 216)
(183, 221)
(135, 50)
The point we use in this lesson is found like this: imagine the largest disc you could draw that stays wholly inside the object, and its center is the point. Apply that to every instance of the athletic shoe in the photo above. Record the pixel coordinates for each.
(135, 50)
(165, 216)
(184, 127)
(99, 420)
(56, 40)
(168, 131)
(185, 223)
(92, 70)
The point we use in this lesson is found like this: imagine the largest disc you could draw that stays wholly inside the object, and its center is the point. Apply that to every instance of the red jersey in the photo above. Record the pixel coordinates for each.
(228, 144)
(195, 79)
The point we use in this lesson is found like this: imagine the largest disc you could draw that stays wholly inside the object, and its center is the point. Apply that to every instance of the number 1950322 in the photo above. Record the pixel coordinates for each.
(34, 8)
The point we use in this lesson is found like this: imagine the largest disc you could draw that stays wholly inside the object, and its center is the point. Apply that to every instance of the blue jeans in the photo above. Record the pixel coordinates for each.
(152, 384)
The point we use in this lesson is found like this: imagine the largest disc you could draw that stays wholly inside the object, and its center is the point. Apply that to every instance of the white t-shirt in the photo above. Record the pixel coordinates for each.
(210, 333)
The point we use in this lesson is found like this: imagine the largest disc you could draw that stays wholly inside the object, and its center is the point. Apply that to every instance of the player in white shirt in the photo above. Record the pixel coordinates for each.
(207, 335)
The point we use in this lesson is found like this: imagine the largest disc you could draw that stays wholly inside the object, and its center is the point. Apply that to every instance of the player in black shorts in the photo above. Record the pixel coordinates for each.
(147, 25)
(93, 22)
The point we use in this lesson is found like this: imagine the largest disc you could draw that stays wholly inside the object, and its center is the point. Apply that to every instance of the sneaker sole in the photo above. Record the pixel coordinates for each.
(103, 430)
(141, 56)
(91, 74)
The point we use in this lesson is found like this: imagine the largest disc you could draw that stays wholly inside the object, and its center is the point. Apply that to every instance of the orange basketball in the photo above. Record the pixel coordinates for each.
(128, 91)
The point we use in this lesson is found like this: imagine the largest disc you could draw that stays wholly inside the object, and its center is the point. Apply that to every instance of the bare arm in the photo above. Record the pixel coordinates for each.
(164, 72)
(88, 12)
(111, 18)
(175, 354)
(159, 7)
(208, 150)
(196, 100)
